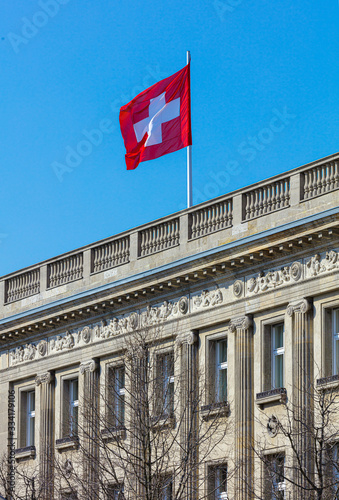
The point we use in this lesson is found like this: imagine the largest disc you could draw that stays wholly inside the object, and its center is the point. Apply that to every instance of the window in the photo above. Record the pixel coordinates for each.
(275, 477)
(278, 351)
(273, 356)
(217, 482)
(165, 383)
(335, 334)
(165, 488)
(115, 492)
(70, 407)
(218, 370)
(68, 495)
(27, 419)
(116, 396)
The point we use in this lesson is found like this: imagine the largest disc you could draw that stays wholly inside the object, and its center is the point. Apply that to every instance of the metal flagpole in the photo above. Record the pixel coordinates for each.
(189, 157)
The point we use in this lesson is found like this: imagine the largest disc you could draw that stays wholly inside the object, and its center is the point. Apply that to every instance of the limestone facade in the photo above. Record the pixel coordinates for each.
(243, 294)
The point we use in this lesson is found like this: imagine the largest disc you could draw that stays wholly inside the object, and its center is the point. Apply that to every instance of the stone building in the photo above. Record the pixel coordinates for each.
(235, 300)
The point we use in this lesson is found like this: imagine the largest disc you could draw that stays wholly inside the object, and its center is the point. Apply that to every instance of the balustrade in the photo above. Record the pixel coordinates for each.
(23, 285)
(160, 237)
(266, 199)
(111, 254)
(65, 270)
(321, 179)
(211, 218)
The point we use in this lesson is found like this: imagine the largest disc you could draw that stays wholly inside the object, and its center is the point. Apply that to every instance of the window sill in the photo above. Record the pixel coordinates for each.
(69, 442)
(272, 396)
(213, 410)
(160, 422)
(326, 383)
(24, 453)
(113, 433)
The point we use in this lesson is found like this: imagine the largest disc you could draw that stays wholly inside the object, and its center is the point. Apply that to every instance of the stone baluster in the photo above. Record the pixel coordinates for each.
(302, 328)
(244, 401)
(46, 469)
(187, 345)
(90, 428)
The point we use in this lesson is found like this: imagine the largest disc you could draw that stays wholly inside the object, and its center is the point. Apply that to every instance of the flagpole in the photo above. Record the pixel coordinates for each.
(189, 157)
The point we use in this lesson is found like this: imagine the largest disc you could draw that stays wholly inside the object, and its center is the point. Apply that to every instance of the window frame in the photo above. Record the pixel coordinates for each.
(272, 488)
(69, 404)
(213, 472)
(26, 417)
(335, 340)
(268, 357)
(164, 382)
(116, 396)
(275, 353)
(215, 368)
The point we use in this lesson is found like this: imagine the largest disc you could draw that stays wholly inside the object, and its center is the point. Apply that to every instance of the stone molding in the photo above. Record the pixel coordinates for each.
(188, 338)
(298, 306)
(243, 323)
(44, 378)
(89, 366)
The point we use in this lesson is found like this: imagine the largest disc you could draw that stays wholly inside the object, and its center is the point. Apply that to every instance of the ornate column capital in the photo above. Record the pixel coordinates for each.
(44, 378)
(244, 322)
(188, 338)
(301, 306)
(89, 366)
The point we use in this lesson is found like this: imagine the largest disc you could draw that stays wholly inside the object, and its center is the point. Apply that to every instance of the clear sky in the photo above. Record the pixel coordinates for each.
(68, 65)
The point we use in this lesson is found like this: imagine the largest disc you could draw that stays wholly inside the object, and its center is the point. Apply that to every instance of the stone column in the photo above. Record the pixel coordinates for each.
(302, 395)
(187, 344)
(90, 427)
(244, 402)
(46, 469)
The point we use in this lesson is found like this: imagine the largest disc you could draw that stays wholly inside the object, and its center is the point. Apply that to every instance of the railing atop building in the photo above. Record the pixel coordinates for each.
(296, 187)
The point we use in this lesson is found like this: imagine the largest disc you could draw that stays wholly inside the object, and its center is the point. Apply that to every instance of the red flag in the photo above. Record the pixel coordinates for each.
(158, 121)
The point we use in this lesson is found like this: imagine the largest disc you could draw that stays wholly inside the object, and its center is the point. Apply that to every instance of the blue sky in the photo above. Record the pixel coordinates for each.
(68, 65)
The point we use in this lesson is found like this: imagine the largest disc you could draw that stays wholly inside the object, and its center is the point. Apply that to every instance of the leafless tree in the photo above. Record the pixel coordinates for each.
(146, 432)
(310, 432)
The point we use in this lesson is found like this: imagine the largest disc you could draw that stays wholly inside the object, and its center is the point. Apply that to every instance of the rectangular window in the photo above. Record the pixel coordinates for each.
(335, 334)
(116, 396)
(218, 370)
(164, 488)
(115, 492)
(68, 495)
(165, 383)
(217, 482)
(27, 419)
(70, 407)
(275, 477)
(278, 352)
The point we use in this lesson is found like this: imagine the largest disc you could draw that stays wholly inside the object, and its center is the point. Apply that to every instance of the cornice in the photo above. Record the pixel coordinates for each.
(47, 318)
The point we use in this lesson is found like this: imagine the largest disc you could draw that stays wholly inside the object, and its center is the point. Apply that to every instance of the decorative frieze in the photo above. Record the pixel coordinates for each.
(60, 343)
(318, 264)
(273, 279)
(208, 298)
(23, 353)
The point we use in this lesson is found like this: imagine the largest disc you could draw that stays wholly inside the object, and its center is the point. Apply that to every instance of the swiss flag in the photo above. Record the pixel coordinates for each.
(158, 121)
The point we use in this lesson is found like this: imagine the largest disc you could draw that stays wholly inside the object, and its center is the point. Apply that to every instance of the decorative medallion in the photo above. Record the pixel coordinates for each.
(86, 334)
(273, 426)
(42, 347)
(183, 305)
(237, 288)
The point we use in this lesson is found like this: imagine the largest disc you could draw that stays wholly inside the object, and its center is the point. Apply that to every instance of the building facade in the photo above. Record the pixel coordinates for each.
(193, 357)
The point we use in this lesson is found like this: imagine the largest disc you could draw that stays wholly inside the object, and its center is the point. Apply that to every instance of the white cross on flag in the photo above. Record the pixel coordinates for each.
(158, 120)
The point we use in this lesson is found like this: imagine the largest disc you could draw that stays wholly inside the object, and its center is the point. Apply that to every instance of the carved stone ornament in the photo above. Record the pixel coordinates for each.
(86, 334)
(133, 320)
(189, 338)
(183, 305)
(243, 323)
(273, 279)
(89, 366)
(317, 265)
(296, 271)
(273, 426)
(42, 347)
(23, 353)
(60, 343)
(301, 306)
(68, 468)
(44, 378)
(208, 298)
(238, 288)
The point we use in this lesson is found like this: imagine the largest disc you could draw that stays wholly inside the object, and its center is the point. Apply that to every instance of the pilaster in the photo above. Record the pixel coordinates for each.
(90, 372)
(244, 401)
(302, 394)
(46, 383)
(187, 344)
